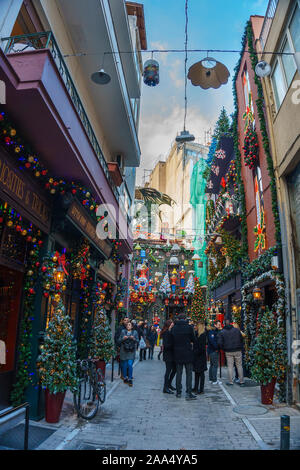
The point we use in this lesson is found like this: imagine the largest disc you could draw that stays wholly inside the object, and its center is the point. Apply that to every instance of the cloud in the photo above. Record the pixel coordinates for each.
(158, 132)
(176, 73)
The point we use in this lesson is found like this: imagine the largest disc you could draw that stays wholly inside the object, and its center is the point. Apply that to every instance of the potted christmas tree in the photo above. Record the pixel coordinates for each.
(57, 363)
(198, 311)
(101, 343)
(268, 359)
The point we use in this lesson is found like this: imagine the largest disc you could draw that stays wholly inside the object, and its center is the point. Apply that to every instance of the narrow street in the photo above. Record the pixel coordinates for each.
(143, 418)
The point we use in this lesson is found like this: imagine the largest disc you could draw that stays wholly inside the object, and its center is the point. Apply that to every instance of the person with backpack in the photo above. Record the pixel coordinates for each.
(230, 339)
(128, 340)
(152, 338)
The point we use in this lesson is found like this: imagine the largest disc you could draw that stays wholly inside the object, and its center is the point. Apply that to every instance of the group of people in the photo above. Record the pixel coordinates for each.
(183, 345)
(189, 345)
(128, 338)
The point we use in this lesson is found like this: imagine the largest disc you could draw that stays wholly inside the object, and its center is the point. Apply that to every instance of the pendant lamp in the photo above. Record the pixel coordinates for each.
(208, 73)
(185, 136)
(101, 77)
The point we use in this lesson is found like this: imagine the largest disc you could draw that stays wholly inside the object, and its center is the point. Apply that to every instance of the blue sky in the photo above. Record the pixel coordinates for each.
(217, 24)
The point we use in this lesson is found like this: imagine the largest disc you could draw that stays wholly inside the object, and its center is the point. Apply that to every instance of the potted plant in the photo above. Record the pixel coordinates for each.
(57, 363)
(268, 359)
(101, 342)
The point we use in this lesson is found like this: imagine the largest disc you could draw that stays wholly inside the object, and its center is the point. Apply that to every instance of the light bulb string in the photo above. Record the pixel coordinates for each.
(152, 51)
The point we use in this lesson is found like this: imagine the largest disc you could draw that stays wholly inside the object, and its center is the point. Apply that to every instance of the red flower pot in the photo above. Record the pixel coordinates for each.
(101, 365)
(53, 405)
(267, 392)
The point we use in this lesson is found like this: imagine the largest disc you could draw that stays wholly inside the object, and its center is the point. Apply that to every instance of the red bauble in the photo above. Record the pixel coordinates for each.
(37, 264)
(46, 294)
(28, 165)
(40, 242)
(7, 140)
(57, 286)
(74, 191)
(29, 238)
(31, 291)
(44, 269)
(18, 228)
(1, 218)
(44, 172)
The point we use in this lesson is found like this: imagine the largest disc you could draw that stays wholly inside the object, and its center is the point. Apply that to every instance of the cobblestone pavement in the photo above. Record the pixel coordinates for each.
(144, 418)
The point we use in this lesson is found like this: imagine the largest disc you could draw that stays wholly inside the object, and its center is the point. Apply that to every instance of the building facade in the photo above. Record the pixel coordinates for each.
(65, 193)
(281, 32)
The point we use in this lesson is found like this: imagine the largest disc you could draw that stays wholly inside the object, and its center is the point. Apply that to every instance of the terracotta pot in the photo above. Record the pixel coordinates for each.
(267, 392)
(53, 405)
(101, 365)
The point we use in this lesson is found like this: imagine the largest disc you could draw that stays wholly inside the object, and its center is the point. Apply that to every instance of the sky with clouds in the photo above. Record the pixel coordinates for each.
(211, 25)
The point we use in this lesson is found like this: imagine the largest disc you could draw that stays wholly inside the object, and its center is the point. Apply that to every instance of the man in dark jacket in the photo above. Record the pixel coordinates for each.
(213, 352)
(230, 340)
(183, 338)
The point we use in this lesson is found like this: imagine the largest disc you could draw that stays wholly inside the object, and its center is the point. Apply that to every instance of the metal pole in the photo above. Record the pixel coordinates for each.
(112, 369)
(284, 432)
(220, 361)
(26, 432)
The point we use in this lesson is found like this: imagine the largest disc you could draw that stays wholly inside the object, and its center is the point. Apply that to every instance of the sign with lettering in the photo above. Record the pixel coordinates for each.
(84, 222)
(17, 189)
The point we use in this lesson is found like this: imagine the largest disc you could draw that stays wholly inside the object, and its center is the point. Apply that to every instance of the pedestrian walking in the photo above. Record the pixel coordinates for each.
(121, 327)
(142, 340)
(213, 352)
(230, 339)
(200, 361)
(128, 340)
(160, 346)
(152, 338)
(183, 338)
(168, 357)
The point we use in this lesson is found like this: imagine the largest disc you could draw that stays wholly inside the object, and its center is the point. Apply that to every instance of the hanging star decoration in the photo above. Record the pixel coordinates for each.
(259, 231)
(248, 114)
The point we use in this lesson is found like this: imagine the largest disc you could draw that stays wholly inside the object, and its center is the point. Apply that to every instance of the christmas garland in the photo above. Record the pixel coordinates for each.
(33, 237)
(251, 152)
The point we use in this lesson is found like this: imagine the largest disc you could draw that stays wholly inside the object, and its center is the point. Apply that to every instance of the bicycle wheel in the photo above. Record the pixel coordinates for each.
(86, 398)
(101, 385)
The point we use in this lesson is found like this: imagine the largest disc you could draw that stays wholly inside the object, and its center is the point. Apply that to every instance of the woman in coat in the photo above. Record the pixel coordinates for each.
(200, 362)
(167, 345)
(129, 340)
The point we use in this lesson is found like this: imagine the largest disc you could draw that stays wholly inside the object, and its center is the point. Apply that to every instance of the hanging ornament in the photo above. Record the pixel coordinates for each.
(151, 72)
(208, 73)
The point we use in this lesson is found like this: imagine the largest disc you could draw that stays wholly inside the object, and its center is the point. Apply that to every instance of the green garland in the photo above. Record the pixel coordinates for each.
(264, 133)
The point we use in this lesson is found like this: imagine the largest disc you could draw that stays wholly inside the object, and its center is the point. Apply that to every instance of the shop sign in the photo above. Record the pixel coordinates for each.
(19, 191)
(86, 225)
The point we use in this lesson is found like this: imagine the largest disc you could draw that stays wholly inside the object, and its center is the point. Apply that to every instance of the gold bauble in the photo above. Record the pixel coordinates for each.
(50, 180)
(56, 297)
(37, 174)
(13, 132)
(47, 286)
(54, 259)
(64, 287)
(33, 240)
(24, 232)
(10, 223)
(52, 191)
(31, 159)
(88, 194)
(31, 253)
(30, 273)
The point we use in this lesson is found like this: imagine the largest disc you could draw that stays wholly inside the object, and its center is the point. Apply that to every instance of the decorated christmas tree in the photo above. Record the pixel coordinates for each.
(222, 124)
(269, 351)
(101, 342)
(198, 311)
(165, 286)
(190, 287)
(57, 361)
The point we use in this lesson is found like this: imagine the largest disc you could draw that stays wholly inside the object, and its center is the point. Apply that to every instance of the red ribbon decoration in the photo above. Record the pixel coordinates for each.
(62, 262)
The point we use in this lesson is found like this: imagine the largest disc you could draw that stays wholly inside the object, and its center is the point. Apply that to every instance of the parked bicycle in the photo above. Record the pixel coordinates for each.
(91, 390)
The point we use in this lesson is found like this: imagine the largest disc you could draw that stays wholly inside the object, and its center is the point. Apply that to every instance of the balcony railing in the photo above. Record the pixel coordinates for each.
(270, 13)
(46, 40)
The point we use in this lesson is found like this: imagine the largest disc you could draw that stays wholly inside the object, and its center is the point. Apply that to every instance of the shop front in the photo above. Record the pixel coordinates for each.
(25, 216)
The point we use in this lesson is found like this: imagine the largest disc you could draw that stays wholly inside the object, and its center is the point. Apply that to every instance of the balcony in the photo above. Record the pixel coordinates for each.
(46, 40)
(58, 128)
(270, 13)
(226, 213)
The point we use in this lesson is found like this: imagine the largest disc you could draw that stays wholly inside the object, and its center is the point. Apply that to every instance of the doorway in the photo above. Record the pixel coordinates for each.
(10, 297)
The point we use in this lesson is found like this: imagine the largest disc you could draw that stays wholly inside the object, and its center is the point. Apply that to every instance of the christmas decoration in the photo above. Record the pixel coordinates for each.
(57, 361)
(251, 149)
(165, 287)
(101, 344)
(190, 287)
(198, 310)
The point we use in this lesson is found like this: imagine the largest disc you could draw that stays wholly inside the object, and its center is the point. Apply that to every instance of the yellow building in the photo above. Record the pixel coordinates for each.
(173, 177)
(281, 33)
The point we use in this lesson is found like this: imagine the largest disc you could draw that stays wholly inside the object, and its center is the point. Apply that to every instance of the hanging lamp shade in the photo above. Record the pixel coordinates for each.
(101, 77)
(151, 72)
(184, 136)
(196, 257)
(211, 75)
